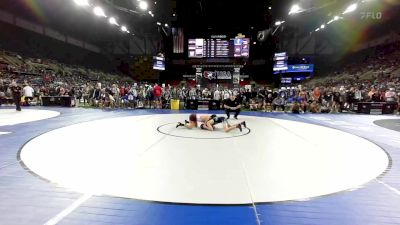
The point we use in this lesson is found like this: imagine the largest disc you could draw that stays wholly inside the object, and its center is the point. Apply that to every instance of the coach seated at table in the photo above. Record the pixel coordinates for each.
(232, 104)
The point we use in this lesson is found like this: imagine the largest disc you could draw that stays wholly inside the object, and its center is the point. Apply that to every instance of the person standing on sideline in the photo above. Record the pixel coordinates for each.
(232, 104)
(217, 95)
(28, 93)
(157, 93)
(16, 93)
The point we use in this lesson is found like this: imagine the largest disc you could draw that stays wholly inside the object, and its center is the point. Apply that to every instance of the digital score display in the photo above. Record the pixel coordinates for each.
(286, 80)
(280, 61)
(158, 63)
(219, 48)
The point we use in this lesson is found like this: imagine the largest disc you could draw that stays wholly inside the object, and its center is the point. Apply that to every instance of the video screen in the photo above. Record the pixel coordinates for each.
(158, 63)
(219, 48)
(281, 61)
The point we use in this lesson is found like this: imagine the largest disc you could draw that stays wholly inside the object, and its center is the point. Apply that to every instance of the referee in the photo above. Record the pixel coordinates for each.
(232, 104)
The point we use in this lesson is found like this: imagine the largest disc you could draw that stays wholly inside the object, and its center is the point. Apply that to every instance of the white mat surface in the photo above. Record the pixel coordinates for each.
(12, 117)
(278, 160)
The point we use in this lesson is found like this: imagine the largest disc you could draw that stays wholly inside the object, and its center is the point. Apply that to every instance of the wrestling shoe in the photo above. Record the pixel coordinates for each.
(244, 124)
(202, 127)
(239, 127)
(186, 121)
(180, 125)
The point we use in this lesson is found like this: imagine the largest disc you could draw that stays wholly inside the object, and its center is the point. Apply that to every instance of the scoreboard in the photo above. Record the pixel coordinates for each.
(280, 61)
(219, 48)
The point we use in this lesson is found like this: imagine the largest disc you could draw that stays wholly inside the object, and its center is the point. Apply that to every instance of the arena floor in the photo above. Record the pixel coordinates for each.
(87, 166)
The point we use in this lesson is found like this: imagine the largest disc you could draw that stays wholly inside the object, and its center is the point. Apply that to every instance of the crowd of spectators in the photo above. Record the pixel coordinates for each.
(376, 79)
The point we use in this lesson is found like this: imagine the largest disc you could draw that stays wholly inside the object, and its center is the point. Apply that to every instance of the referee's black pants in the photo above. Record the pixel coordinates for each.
(228, 111)
(17, 101)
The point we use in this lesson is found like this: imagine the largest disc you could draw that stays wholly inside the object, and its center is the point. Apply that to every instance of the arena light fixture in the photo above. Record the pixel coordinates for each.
(323, 26)
(295, 9)
(82, 2)
(113, 21)
(98, 11)
(336, 18)
(166, 25)
(278, 23)
(124, 29)
(351, 8)
(317, 29)
(158, 23)
(143, 5)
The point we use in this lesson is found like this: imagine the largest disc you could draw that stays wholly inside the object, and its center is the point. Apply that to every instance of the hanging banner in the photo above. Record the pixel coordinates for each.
(199, 74)
(236, 76)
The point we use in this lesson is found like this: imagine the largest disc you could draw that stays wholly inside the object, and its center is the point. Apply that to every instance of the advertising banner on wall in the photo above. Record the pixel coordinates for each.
(218, 74)
(212, 76)
(298, 68)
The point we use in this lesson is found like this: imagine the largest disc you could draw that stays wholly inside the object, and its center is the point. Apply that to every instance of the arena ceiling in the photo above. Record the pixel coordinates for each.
(200, 17)
(211, 16)
(71, 19)
(364, 21)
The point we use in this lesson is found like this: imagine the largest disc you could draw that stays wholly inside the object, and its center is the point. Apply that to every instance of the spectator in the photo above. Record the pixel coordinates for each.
(268, 103)
(358, 95)
(253, 105)
(374, 95)
(303, 99)
(296, 108)
(157, 92)
(316, 95)
(315, 107)
(28, 94)
(115, 94)
(398, 103)
(390, 95)
(336, 101)
(217, 95)
(3, 90)
(279, 103)
(96, 96)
